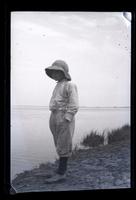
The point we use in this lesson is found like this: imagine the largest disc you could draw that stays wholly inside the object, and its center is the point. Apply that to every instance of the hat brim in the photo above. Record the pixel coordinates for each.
(50, 69)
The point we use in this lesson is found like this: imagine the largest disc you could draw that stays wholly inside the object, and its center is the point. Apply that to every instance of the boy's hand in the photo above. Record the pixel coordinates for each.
(68, 117)
(66, 120)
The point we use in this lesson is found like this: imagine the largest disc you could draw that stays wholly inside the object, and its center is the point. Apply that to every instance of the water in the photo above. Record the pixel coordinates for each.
(31, 139)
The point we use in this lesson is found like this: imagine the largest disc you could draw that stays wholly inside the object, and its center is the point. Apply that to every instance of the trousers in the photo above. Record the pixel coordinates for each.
(62, 131)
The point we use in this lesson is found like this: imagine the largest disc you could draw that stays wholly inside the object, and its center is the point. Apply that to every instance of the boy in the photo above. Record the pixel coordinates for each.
(63, 106)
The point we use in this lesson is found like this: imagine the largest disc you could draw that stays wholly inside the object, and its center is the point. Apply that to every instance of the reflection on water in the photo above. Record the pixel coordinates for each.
(31, 139)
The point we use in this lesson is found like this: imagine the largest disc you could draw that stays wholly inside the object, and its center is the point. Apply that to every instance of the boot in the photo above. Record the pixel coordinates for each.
(62, 165)
(61, 172)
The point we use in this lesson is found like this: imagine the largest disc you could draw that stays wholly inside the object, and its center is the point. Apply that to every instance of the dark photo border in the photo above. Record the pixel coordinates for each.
(5, 86)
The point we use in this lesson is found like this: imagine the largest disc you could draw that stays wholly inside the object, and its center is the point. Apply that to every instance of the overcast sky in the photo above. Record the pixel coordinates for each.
(95, 45)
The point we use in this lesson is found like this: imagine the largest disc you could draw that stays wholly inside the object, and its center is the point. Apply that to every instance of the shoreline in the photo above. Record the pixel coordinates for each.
(101, 167)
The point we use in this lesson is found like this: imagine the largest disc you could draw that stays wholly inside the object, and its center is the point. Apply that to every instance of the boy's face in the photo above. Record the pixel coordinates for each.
(57, 75)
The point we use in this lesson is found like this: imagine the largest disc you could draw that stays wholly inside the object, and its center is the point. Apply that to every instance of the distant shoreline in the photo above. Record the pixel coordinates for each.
(80, 108)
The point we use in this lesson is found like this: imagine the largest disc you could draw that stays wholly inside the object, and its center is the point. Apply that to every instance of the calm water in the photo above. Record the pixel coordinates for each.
(31, 139)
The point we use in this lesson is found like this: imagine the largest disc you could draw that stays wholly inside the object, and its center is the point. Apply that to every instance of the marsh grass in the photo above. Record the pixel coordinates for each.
(94, 138)
(120, 134)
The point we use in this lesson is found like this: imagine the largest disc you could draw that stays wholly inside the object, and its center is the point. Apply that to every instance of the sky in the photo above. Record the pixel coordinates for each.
(95, 45)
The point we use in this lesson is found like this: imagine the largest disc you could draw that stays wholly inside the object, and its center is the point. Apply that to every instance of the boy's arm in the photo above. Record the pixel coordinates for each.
(72, 106)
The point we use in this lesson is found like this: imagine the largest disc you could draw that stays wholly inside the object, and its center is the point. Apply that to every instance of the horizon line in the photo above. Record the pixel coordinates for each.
(79, 106)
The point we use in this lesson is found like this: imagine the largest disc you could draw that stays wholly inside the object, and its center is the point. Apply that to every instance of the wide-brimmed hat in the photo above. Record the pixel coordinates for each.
(58, 65)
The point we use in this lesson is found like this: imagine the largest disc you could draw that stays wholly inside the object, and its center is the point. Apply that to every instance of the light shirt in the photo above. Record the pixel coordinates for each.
(65, 97)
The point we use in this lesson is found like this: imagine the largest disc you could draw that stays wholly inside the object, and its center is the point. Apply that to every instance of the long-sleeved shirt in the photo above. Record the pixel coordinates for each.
(65, 97)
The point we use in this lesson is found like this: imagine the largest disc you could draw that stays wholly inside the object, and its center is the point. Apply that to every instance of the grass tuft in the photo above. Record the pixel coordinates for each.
(120, 134)
(92, 140)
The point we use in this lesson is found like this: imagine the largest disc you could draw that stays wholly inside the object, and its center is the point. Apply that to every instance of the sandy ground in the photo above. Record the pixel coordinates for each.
(103, 167)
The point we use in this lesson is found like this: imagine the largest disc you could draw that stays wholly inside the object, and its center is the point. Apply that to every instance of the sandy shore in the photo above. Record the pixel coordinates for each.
(103, 167)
